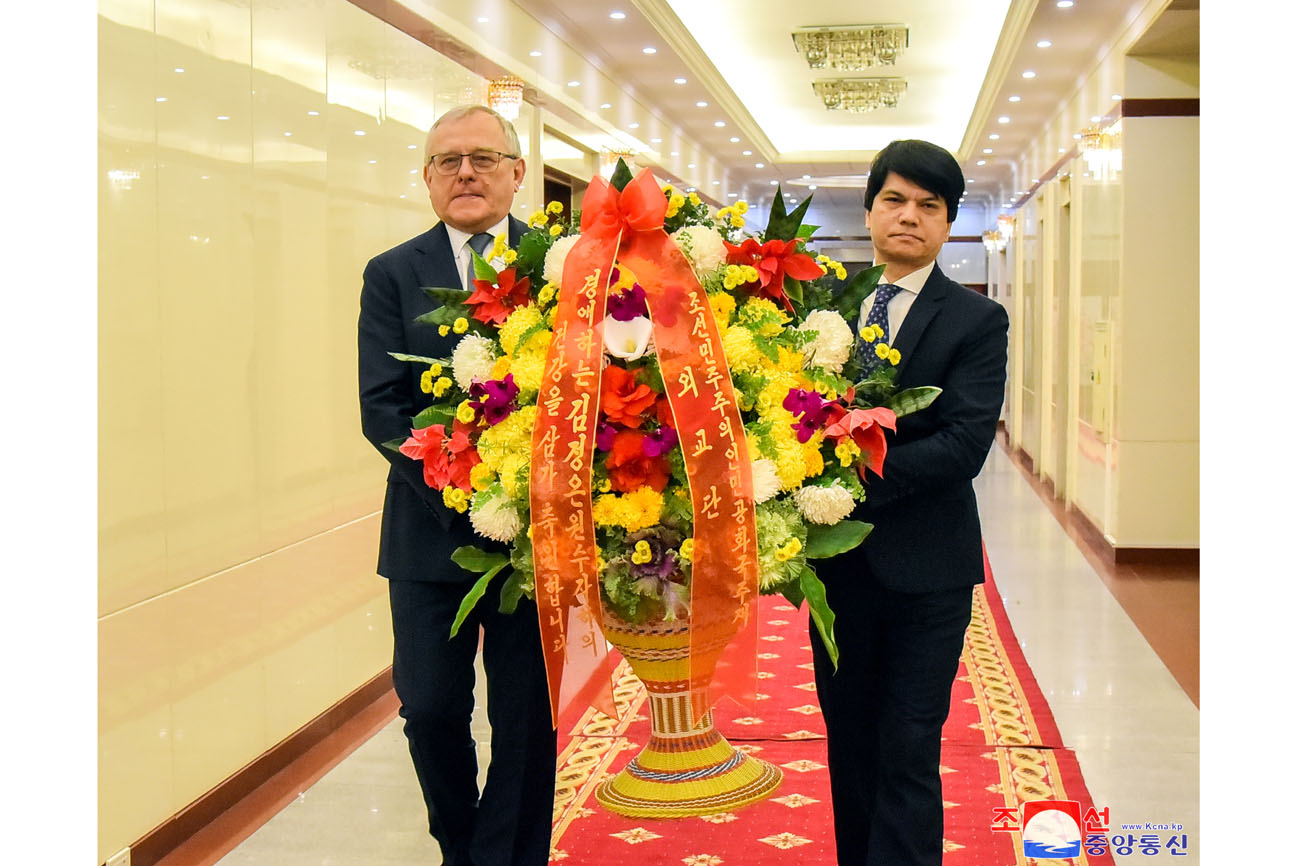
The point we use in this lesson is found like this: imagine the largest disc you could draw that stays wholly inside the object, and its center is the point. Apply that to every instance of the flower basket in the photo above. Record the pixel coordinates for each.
(687, 768)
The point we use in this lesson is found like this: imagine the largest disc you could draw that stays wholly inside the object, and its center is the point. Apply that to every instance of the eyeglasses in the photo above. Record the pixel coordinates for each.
(482, 161)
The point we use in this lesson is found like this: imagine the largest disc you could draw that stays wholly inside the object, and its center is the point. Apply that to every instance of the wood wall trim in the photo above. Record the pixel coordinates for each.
(372, 702)
(1189, 107)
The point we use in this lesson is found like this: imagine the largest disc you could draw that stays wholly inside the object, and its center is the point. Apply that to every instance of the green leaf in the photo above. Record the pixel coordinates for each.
(447, 296)
(511, 591)
(482, 270)
(807, 231)
(622, 175)
(475, 593)
(794, 290)
(395, 444)
(445, 315)
(533, 248)
(794, 594)
(433, 415)
(477, 559)
(418, 359)
(822, 615)
(786, 228)
(913, 400)
(776, 216)
(826, 541)
(849, 302)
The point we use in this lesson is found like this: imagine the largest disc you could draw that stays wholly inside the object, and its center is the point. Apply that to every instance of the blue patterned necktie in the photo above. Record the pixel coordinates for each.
(478, 244)
(878, 315)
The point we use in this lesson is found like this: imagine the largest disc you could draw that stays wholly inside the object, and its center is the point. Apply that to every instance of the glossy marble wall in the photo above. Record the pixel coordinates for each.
(252, 157)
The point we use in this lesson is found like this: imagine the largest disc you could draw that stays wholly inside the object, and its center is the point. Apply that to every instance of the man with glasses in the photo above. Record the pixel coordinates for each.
(473, 168)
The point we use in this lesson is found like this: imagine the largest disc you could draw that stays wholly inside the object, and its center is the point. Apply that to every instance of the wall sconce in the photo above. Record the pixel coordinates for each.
(505, 96)
(1101, 151)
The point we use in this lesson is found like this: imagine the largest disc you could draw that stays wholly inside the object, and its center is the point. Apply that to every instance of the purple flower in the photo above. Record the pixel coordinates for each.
(811, 410)
(494, 399)
(663, 562)
(659, 442)
(605, 432)
(627, 304)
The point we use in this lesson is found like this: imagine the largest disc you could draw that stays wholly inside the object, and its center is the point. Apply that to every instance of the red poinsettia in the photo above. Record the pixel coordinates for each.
(623, 400)
(493, 303)
(630, 467)
(447, 459)
(774, 260)
(866, 427)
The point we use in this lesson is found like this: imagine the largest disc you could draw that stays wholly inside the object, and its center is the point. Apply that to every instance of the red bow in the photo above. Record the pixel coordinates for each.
(640, 206)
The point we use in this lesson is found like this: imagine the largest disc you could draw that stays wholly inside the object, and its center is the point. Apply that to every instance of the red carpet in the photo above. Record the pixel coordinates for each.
(1001, 747)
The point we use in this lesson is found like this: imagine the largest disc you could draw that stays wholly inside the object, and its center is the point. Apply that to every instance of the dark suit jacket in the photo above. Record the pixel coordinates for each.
(927, 531)
(418, 533)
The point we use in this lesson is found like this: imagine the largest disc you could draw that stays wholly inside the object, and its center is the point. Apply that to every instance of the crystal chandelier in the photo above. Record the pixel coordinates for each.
(851, 49)
(860, 94)
(505, 95)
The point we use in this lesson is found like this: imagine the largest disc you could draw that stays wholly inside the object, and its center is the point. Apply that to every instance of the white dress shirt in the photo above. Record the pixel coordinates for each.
(460, 245)
(911, 286)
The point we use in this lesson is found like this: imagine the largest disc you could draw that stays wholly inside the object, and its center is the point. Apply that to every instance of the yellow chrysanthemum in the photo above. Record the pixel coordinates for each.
(737, 221)
(822, 258)
(481, 476)
(435, 369)
(426, 382)
(498, 247)
(723, 306)
(444, 330)
(455, 498)
(554, 207)
(465, 412)
(510, 474)
(882, 351)
(841, 273)
(641, 554)
(868, 334)
(519, 320)
(604, 486)
(739, 349)
(789, 361)
(742, 206)
(529, 366)
(813, 464)
(537, 219)
(694, 199)
(509, 257)
(789, 550)
(501, 367)
(636, 510)
(555, 230)
(668, 189)
(671, 211)
(847, 451)
(513, 437)
(547, 294)
(687, 551)
(461, 325)
(440, 387)
(756, 309)
(880, 331)
(895, 356)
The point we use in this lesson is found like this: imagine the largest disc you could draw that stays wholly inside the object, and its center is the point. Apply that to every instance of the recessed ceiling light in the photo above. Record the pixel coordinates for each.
(403, 195)
(634, 125)
(604, 105)
(534, 53)
(982, 162)
(1004, 119)
(1116, 96)
(773, 182)
(313, 114)
(1096, 118)
(411, 146)
(993, 136)
(701, 104)
(373, 161)
(358, 132)
(1064, 4)
(690, 165)
(807, 176)
(719, 123)
(717, 183)
(812, 186)
(161, 99)
(413, 171)
(223, 117)
(1029, 73)
(178, 69)
(649, 49)
(574, 83)
(1044, 43)
(482, 20)
(690, 189)
(735, 139)
(731, 194)
(674, 153)
(679, 81)
(988, 150)
(287, 134)
(656, 140)
(1013, 99)
(758, 165)
(747, 153)
(617, 16)
(1060, 150)
(1078, 136)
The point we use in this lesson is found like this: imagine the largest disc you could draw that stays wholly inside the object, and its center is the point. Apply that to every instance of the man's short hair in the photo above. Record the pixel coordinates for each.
(512, 137)
(927, 165)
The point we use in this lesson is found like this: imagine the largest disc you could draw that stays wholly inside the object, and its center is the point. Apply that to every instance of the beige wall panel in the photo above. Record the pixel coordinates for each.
(1159, 397)
(1163, 77)
(219, 728)
(1158, 496)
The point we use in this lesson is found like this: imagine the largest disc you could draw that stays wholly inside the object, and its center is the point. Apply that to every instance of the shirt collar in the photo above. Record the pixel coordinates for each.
(916, 280)
(459, 238)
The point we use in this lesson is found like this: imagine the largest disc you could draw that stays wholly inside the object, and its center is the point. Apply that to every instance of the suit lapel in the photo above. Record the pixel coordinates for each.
(926, 306)
(435, 266)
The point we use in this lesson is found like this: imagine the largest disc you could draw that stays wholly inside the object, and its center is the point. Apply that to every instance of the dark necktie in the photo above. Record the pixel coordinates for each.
(878, 315)
(479, 243)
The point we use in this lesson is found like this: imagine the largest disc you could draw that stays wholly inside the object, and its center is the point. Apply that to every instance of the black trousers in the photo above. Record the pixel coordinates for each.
(884, 710)
(509, 823)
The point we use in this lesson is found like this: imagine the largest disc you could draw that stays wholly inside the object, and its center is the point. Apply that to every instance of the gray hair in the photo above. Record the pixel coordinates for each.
(512, 137)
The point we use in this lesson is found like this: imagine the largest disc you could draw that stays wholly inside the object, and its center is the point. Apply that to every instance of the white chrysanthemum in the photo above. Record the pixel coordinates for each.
(766, 482)
(497, 518)
(473, 359)
(824, 504)
(553, 267)
(702, 245)
(834, 341)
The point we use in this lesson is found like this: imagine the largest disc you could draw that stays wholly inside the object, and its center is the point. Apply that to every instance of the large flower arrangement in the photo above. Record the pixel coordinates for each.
(814, 403)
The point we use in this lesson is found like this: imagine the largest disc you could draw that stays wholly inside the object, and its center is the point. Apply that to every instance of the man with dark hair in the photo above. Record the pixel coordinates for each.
(473, 168)
(902, 600)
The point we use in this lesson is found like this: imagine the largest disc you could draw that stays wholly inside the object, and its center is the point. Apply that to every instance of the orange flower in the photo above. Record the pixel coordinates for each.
(866, 427)
(492, 303)
(630, 468)
(447, 460)
(621, 399)
(774, 261)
